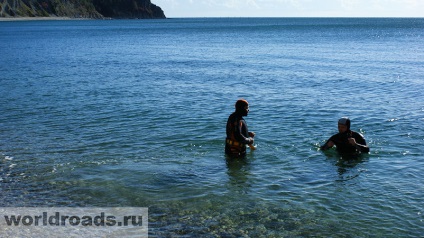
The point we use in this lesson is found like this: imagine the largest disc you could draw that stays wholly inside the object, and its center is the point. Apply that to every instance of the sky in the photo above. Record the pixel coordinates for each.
(291, 8)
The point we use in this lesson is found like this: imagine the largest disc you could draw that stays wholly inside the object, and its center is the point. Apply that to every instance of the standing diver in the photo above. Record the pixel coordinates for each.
(347, 141)
(238, 136)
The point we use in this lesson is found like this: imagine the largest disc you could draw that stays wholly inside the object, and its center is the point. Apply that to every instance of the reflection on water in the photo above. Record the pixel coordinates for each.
(238, 174)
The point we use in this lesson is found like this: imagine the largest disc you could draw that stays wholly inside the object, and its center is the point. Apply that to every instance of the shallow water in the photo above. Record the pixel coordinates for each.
(132, 113)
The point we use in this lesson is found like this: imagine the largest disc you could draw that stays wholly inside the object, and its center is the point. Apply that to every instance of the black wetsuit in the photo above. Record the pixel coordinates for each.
(343, 145)
(237, 136)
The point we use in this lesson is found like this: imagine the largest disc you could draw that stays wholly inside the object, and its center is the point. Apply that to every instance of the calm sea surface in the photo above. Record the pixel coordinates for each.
(133, 113)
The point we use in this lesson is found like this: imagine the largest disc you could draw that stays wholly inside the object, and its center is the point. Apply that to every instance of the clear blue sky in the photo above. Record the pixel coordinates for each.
(291, 8)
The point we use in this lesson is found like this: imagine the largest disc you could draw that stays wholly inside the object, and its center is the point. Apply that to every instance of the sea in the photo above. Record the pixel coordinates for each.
(132, 113)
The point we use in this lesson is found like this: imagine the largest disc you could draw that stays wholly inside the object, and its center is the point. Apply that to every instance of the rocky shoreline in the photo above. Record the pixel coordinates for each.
(38, 18)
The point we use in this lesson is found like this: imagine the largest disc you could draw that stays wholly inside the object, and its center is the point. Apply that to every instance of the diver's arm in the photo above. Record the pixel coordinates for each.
(359, 142)
(239, 135)
(363, 148)
(327, 145)
(360, 146)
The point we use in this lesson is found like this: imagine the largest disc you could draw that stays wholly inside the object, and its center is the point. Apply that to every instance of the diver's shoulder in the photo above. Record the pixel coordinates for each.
(357, 134)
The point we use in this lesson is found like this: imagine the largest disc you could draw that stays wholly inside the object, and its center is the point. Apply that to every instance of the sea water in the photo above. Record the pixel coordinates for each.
(133, 112)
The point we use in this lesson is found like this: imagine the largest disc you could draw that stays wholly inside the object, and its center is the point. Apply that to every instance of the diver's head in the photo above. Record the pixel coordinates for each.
(242, 107)
(344, 124)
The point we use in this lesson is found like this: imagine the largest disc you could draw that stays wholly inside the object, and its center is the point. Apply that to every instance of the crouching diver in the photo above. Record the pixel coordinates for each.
(347, 141)
(238, 135)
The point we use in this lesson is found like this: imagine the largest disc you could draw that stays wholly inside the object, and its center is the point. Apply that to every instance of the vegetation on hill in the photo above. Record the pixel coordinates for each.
(96, 9)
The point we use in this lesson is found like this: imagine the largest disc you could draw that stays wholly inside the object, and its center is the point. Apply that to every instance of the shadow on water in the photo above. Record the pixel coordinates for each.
(346, 164)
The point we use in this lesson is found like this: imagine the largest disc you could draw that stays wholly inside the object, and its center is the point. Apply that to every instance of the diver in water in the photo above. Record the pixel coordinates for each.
(238, 135)
(347, 141)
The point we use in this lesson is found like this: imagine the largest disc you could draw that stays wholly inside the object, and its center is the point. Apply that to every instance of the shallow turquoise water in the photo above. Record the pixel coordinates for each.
(132, 113)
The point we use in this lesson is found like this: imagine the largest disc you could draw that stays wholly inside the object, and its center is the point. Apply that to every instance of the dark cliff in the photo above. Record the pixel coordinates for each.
(96, 9)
